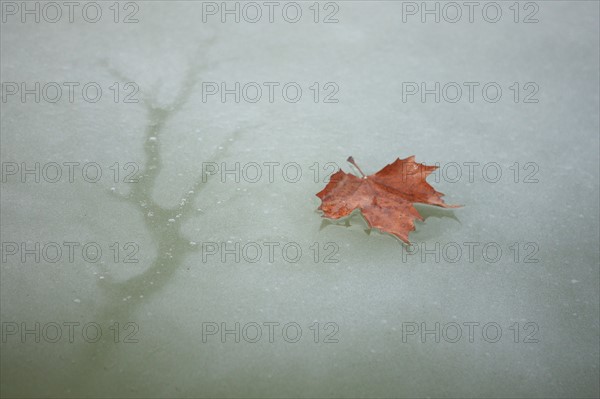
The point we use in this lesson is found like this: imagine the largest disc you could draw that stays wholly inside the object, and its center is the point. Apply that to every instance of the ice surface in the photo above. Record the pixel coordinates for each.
(377, 291)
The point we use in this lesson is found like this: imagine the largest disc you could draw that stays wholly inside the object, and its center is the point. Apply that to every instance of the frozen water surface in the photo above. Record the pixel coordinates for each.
(522, 322)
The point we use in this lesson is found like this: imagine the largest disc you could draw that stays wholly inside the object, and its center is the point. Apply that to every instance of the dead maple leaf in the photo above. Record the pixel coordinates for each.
(385, 198)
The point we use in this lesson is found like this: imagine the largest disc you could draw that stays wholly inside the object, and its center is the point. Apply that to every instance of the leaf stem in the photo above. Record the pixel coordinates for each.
(351, 160)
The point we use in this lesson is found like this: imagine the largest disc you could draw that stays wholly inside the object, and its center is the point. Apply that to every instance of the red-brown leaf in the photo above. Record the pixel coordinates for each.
(384, 198)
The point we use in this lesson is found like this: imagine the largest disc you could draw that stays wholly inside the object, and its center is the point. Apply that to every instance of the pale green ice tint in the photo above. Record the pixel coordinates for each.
(365, 301)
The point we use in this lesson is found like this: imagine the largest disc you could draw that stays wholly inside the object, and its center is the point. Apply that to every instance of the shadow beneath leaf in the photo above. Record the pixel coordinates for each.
(428, 211)
(356, 218)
